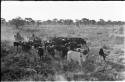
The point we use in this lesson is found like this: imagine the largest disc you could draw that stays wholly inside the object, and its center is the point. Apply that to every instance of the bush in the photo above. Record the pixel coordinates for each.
(10, 74)
(17, 22)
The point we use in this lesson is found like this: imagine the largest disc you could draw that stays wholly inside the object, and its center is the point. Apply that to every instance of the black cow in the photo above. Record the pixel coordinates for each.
(57, 41)
(101, 53)
(64, 51)
(62, 44)
(26, 46)
(50, 50)
(73, 45)
(17, 45)
(47, 43)
(81, 41)
(36, 45)
(75, 42)
(60, 40)
(78, 40)
(38, 40)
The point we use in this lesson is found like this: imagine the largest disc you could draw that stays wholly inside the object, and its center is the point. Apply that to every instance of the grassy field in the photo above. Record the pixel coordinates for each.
(27, 66)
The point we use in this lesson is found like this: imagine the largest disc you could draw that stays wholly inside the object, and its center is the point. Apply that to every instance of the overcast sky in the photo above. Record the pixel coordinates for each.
(45, 10)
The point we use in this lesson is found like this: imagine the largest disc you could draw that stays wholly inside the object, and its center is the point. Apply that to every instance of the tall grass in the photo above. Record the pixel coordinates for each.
(27, 66)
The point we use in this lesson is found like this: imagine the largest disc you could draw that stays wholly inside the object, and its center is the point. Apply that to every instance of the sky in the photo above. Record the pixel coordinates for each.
(44, 10)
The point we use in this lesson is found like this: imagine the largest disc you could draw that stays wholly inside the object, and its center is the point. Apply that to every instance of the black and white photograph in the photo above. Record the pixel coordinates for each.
(62, 0)
(62, 41)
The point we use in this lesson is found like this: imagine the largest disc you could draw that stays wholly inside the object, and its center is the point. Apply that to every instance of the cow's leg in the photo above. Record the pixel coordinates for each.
(66, 56)
(68, 59)
(53, 54)
(20, 49)
(80, 64)
(17, 48)
(39, 55)
(44, 51)
(104, 58)
(63, 54)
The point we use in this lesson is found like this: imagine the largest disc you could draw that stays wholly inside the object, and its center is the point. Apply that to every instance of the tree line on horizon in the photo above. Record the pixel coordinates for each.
(18, 21)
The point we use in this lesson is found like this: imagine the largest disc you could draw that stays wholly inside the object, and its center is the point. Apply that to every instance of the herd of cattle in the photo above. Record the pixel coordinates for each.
(70, 48)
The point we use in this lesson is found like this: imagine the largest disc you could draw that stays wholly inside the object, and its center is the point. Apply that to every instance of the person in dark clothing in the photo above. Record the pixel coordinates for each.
(40, 51)
(101, 53)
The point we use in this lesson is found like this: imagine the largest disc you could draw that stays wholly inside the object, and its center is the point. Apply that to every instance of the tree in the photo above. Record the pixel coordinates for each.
(17, 22)
(55, 20)
(77, 22)
(85, 21)
(121, 23)
(101, 22)
(3, 21)
(29, 21)
(61, 21)
(109, 22)
(38, 22)
(68, 21)
(92, 22)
